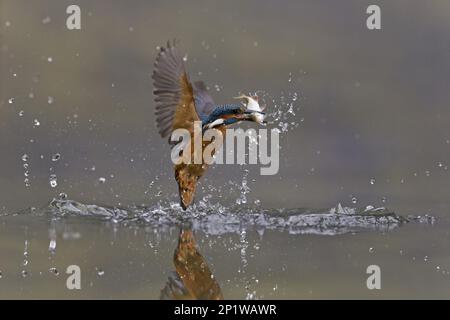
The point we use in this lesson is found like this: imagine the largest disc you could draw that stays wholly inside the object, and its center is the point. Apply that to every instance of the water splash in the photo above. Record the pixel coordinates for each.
(216, 219)
(244, 189)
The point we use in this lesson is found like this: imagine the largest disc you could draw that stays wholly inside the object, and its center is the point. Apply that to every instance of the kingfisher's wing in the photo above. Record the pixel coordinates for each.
(174, 97)
(204, 103)
(178, 102)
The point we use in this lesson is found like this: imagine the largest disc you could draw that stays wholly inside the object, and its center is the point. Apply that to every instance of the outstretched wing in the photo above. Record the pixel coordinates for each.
(204, 103)
(177, 101)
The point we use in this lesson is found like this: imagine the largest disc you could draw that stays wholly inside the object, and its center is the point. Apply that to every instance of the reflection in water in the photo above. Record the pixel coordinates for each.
(192, 278)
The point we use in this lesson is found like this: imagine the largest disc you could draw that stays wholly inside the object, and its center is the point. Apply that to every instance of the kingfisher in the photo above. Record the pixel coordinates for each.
(180, 102)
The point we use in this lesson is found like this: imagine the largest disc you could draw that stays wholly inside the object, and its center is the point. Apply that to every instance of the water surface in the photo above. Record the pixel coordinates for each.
(246, 253)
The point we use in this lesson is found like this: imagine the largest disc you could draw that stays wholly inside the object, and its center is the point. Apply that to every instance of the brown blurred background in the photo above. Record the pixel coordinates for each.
(373, 104)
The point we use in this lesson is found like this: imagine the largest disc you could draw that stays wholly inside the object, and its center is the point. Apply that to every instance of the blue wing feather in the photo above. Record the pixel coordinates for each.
(204, 104)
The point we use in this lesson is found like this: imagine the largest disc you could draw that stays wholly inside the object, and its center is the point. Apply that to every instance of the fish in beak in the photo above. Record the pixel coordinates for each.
(253, 111)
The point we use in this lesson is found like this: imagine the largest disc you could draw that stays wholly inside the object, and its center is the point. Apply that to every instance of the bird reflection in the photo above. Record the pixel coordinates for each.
(192, 278)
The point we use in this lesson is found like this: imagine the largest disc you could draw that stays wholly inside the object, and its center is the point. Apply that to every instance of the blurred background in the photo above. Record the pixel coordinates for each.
(370, 120)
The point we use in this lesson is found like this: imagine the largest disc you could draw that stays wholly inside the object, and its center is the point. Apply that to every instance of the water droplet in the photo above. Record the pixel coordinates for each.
(1, 275)
(371, 250)
(372, 181)
(354, 200)
(24, 273)
(54, 271)
(56, 157)
(251, 295)
(11, 100)
(52, 246)
(36, 123)
(21, 113)
(102, 180)
(425, 258)
(100, 272)
(25, 158)
(50, 100)
(53, 181)
(62, 196)
(50, 59)
(25, 250)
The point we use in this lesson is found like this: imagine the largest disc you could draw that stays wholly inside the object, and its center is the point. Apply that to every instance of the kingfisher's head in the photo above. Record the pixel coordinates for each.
(253, 110)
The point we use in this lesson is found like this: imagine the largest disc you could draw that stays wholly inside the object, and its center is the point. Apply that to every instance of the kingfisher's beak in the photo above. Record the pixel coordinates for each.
(258, 112)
